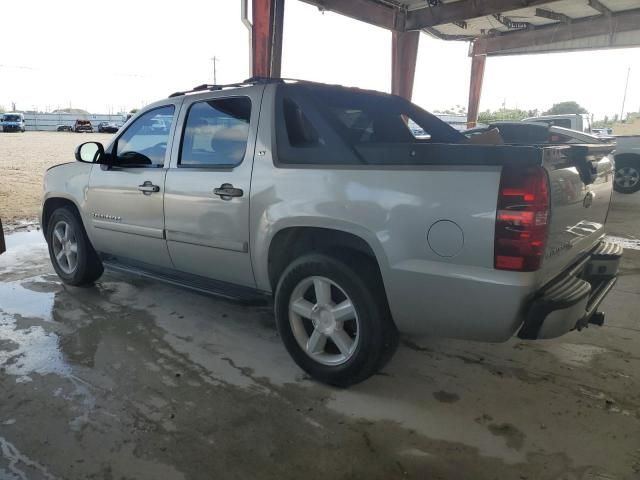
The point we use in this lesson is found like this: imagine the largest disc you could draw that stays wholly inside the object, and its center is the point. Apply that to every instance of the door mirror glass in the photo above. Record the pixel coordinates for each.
(90, 152)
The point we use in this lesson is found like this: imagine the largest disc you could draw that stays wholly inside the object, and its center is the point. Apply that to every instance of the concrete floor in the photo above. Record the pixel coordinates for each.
(138, 380)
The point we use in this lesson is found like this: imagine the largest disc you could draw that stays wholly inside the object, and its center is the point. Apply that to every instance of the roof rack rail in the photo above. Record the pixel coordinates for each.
(255, 81)
(212, 88)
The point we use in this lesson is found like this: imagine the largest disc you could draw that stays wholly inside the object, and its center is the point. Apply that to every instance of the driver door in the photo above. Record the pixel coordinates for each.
(125, 200)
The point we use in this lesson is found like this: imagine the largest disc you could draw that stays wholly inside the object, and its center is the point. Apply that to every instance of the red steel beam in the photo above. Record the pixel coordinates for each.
(268, 17)
(404, 53)
(475, 88)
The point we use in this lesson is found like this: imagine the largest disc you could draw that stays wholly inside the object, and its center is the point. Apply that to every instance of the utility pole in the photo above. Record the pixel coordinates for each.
(214, 59)
(624, 97)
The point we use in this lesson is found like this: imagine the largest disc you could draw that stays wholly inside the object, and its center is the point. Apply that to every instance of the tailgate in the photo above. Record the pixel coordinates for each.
(580, 181)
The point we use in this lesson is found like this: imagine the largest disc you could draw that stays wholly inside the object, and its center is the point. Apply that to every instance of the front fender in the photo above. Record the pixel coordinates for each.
(68, 182)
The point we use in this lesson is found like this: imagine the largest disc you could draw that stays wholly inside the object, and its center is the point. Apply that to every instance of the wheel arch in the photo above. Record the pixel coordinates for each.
(628, 157)
(293, 241)
(51, 204)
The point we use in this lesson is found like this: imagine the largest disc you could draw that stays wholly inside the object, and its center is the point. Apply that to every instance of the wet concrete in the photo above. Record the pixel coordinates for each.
(133, 379)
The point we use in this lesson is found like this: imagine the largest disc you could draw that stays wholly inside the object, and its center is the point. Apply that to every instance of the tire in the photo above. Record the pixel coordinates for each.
(371, 336)
(64, 230)
(627, 179)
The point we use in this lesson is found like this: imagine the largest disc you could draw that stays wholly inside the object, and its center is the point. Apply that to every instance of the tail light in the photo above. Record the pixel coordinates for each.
(522, 219)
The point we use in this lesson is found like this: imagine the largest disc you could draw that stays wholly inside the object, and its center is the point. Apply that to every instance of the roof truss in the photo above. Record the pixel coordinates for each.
(394, 15)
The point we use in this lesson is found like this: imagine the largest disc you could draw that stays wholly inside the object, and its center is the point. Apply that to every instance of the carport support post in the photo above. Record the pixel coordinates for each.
(404, 52)
(475, 88)
(268, 20)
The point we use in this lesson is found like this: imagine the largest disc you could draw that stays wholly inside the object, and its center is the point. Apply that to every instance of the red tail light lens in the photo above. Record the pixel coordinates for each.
(522, 219)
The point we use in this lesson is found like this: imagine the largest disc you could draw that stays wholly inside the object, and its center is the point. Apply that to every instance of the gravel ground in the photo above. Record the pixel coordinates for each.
(24, 157)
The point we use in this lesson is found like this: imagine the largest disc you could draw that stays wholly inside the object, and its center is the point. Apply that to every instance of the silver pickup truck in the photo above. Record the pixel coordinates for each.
(323, 200)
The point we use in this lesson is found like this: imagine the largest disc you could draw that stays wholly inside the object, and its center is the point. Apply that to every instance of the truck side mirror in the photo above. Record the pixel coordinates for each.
(89, 152)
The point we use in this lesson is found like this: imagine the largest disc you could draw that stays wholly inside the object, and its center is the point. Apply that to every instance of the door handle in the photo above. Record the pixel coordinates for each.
(148, 188)
(228, 191)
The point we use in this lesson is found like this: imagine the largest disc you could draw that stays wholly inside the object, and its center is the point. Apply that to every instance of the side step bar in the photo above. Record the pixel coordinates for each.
(235, 293)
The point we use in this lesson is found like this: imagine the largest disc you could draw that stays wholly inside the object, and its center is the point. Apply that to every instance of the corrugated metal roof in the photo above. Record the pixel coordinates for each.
(568, 21)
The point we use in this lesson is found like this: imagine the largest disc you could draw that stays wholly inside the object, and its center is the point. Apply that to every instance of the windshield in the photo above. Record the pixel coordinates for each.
(11, 118)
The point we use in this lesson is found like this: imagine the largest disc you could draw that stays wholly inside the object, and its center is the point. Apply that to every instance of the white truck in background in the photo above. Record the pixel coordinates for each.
(626, 154)
(575, 121)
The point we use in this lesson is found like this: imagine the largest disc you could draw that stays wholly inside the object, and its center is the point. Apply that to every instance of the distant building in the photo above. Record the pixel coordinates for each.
(51, 121)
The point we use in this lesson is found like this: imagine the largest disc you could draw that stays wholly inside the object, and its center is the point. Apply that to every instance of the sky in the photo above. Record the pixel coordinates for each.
(107, 57)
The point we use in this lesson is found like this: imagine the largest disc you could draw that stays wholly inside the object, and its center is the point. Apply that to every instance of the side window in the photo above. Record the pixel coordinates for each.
(144, 143)
(216, 133)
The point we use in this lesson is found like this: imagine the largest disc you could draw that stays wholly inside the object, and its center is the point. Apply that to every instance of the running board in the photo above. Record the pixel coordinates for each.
(235, 293)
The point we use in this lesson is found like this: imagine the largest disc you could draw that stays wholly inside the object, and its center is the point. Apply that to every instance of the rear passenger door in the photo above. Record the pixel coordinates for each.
(207, 186)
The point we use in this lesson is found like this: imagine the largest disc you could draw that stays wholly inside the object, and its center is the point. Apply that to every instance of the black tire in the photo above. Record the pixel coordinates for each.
(88, 266)
(360, 280)
(629, 168)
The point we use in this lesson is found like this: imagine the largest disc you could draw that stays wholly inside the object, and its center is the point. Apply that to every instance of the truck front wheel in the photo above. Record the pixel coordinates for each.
(72, 255)
(333, 318)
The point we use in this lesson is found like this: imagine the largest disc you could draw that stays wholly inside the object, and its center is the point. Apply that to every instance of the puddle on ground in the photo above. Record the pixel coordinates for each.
(628, 243)
(23, 239)
(28, 348)
(16, 299)
(22, 249)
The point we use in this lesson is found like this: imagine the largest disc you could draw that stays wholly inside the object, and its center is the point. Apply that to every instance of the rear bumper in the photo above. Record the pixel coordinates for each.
(571, 300)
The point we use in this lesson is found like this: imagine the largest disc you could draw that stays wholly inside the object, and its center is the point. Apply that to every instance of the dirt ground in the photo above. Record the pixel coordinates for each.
(24, 157)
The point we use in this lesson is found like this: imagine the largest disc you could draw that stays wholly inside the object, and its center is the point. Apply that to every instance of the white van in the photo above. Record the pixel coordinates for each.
(12, 122)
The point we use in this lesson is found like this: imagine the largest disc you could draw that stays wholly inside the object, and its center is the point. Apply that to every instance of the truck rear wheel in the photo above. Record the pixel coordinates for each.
(627, 179)
(333, 318)
(72, 255)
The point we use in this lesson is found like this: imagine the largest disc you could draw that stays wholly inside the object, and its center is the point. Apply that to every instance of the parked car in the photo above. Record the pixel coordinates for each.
(321, 199)
(107, 127)
(12, 122)
(83, 126)
(575, 121)
(64, 128)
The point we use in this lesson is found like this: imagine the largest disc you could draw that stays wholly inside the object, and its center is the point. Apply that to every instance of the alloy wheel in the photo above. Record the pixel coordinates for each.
(65, 247)
(627, 177)
(324, 321)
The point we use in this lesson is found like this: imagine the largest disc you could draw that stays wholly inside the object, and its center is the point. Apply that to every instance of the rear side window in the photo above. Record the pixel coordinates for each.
(216, 133)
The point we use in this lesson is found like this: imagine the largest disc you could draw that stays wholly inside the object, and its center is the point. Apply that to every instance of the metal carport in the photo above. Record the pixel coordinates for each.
(493, 27)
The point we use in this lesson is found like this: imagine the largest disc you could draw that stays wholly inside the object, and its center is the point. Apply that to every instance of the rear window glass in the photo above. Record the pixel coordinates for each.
(216, 133)
(300, 130)
(341, 126)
